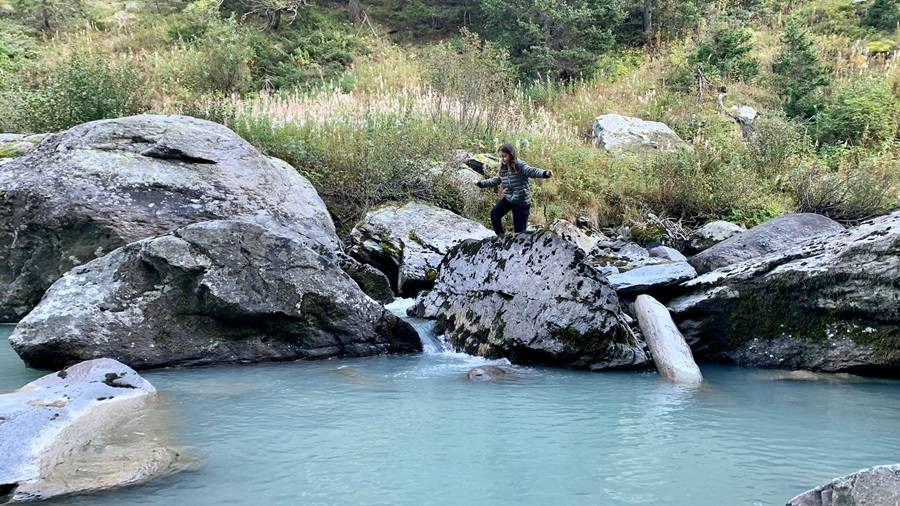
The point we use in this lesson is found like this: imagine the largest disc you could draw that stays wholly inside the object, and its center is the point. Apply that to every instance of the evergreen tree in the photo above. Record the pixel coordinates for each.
(799, 72)
(557, 38)
(884, 14)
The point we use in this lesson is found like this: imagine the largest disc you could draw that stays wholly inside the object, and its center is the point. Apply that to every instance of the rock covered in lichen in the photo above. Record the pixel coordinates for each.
(211, 292)
(829, 304)
(408, 242)
(83, 192)
(774, 235)
(531, 297)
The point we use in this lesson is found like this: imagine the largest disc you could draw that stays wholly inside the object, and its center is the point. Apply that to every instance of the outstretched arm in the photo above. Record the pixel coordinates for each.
(489, 183)
(530, 171)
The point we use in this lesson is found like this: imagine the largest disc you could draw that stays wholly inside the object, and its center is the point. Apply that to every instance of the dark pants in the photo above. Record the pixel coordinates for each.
(519, 212)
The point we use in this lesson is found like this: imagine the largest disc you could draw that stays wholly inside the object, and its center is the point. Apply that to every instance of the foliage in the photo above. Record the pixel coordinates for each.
(84, 87)
(883, 15)
(858, 185)
(471, 78)
(799, 73)
(553, 37)
(863, 112)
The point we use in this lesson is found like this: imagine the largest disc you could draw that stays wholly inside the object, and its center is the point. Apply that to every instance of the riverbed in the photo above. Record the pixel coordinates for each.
(411, 430)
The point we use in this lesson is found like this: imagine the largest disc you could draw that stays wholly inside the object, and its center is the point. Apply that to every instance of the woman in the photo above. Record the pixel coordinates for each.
(516, 195)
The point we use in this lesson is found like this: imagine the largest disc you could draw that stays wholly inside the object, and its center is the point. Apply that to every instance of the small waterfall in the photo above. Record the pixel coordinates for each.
(431, 342)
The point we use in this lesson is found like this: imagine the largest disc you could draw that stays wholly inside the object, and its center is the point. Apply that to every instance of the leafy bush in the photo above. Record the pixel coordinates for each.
(726, 53)
(222, 59)
(778, 144)
(860, 112)
(84, 87)
(799, 73)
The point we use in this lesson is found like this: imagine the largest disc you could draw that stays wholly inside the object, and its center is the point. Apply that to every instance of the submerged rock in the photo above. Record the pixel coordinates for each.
(651, 277)
(712, 233)
(485, 373)
(531, 297)
(670, 352)
(212, 292)
(775, 235)
(830, 304)
(98, 186)
(90, 427)
(408, 242)
(875, 486)
(617, 133)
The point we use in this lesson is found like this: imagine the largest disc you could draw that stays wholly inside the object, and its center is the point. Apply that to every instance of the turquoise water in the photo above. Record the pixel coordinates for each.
(413, 431)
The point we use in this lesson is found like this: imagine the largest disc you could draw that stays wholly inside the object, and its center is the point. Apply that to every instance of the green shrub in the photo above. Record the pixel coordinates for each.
(222, 60)
(84, 87)
(861, 184)
(863, 112)
(777, 145)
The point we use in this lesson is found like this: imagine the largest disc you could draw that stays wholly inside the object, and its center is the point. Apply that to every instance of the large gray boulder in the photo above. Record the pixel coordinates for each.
(670, 352)
(98, 186)
(93, 426)
(617, 134)
(211, 292)
(408, 242)
(830, 304)
(531, 297)
(875, 486)
(774, 235)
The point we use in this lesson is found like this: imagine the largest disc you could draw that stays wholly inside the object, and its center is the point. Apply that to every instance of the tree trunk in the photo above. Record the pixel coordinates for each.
(648, 18)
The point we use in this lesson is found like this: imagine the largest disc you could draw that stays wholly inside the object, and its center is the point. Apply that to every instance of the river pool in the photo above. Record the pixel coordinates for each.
(411, 430)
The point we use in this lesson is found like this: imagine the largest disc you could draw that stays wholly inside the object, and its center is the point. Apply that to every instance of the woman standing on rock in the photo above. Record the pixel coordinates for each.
(516, 194)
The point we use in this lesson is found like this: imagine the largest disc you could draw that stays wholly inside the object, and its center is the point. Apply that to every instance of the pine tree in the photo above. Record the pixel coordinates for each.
(799, 72)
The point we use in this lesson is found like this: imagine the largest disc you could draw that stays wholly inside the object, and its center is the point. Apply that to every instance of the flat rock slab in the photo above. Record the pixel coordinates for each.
(651, 277)
(617, 133)
(831, 304)
(531, 297)
(83, 192)
(775, 235)
(90, 427)
(875, 486)
(671, 354)
(213, 292)
(408, 242)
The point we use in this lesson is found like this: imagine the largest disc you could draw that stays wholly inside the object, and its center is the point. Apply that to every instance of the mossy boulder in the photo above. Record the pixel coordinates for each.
(533, 298)
(830, 304)
(213, 292)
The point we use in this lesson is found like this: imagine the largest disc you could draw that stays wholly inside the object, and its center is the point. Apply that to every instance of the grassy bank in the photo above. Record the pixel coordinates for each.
(362, 115)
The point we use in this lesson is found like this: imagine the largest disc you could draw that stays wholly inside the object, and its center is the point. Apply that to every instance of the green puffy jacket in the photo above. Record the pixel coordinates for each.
(515, 182)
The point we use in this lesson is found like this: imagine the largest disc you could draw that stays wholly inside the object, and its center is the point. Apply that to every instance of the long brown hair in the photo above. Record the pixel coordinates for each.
(510, 150)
